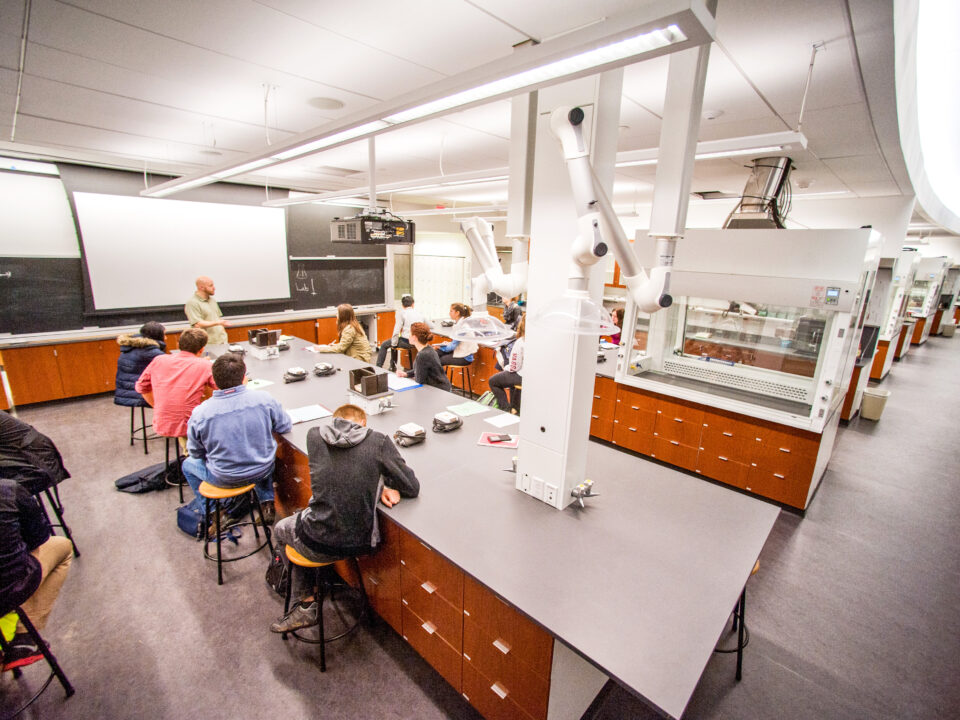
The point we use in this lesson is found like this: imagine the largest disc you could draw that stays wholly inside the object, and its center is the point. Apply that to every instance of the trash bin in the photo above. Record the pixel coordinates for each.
(874, 400)
(949, 329)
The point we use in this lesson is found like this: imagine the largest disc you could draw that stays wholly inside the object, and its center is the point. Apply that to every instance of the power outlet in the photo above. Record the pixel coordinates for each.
(550, 494)
(536, 487)
(525, 482)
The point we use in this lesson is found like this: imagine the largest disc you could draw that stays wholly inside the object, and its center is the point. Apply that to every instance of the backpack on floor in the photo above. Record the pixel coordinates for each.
(149, 478)
(276, 575)
(190, 520)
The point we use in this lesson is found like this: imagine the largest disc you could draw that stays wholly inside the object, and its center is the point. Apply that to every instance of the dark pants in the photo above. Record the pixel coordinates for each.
(498, 385)
(388, 345)
(447, 358)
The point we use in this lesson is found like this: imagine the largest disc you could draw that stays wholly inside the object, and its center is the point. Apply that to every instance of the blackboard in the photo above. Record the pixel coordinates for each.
(40, 294)
(325, 283)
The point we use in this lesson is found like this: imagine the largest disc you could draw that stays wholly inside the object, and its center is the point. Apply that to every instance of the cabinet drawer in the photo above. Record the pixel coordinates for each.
(497, 661)
(783, 461)
(601, 427)
(632, 400)
(491, 698)
(675, 453)
(787, 441)
(679, 422)
(638, 439)
(777, 486)
(422, 598)
(725, 436)
(430, 567)
(444, 659)
(501, 621)
(381, 575)
(723, 468)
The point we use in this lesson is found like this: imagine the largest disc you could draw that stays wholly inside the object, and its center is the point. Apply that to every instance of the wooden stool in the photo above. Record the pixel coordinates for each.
(178, 460)
(55, 671)
(466, 388)
(212, 492)
(323, 588)
(740, 625)
(411, 355)
(142, 429)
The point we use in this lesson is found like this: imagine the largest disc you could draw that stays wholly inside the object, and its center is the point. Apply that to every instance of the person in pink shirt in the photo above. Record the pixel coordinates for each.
(175, 384)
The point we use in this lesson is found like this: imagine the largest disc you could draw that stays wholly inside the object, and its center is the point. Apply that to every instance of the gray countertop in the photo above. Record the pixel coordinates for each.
(640, 583)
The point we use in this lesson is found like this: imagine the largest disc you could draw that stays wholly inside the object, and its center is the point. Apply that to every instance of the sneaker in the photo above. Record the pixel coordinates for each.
(226, 521)
(21, 650)
(269, 512)
(302, 616)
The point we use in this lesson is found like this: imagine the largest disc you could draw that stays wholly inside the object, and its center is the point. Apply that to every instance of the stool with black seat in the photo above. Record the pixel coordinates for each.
(142, 430)
(325, 584)
(466, 388)
(739, 626)
(212, 492)
(55, 670)
(53, 497)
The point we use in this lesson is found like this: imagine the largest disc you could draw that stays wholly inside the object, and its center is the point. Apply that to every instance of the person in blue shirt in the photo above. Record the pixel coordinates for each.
(230, 436)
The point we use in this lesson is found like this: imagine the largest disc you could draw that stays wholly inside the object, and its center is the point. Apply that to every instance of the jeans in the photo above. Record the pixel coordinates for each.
(284, 533)
(195, 471)
(499, 383)
(388, 345)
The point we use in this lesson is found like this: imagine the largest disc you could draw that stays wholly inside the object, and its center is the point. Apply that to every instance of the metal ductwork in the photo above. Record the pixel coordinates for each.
(766, 196)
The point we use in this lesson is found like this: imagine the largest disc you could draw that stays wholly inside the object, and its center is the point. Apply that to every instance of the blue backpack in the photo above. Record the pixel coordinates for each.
(190, 520)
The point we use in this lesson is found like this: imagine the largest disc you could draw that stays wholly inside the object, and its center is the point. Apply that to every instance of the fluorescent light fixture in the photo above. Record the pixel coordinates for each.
(821, 194)
(729, 147)
(241, 169)
(344, 202)
(454, 211)
(325, 142)
(650, 30)
(637, 45)
(28, 166)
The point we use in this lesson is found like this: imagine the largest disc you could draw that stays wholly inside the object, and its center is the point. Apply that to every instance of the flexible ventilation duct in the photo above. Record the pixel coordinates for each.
(766, 196)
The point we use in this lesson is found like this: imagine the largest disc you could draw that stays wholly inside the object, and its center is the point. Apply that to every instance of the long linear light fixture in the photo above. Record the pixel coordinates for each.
(730, 147)
(657, 28)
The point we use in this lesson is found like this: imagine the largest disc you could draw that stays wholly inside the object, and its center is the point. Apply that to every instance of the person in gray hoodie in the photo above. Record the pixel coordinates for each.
(351, 468)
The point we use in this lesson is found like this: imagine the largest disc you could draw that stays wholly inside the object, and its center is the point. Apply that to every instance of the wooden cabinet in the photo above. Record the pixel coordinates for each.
(604, 408)
(327, 330)
(879, 359)
(84, 368)
(385, 323)
(33, 373)
(381, 576)
(52, 372)
(634, 419)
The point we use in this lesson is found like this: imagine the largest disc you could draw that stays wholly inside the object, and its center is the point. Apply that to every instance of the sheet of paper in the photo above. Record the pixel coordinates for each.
(258, 384)
(503, 420)
(308, 413)
(485, 440)
(468, 408)
(286, 338)
(605, 345)
(399, 384)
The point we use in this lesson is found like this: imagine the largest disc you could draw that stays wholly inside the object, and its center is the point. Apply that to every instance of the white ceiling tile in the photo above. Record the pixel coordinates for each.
(859, 169)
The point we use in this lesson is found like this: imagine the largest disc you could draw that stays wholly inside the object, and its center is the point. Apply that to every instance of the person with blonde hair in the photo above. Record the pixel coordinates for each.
(351, 468)
(351, 339)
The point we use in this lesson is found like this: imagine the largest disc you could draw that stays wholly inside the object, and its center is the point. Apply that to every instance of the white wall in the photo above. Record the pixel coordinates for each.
(937, 247)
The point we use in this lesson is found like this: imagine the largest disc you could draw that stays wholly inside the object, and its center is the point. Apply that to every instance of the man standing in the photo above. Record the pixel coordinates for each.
(175, 384)
(203, 312)
(351, 468)
(230, 436)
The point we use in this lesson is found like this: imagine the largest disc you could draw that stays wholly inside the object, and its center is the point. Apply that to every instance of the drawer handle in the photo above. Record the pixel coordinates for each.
(500, 690)
(468, 660)
(467, 613)
(786, 450)
(674, 442)
(501, 646)
(373, 580)
(595, 417)
(596, 397)
(427, 546)
(429, 627)
(429, 588)
(632, 429)
(634, 407)
(721, 457)
(778, 475)
(678, 419)
(726, 434)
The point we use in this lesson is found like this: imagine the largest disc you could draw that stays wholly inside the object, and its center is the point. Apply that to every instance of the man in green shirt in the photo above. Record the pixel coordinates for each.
(203, 312)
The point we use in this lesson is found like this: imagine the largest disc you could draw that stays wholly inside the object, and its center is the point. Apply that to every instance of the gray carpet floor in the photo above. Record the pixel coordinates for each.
(855, 612)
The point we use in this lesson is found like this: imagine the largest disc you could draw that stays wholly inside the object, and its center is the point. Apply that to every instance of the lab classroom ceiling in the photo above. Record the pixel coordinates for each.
(175, 86)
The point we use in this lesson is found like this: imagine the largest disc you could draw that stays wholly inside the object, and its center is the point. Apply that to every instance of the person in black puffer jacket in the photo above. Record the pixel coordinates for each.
(136, 352)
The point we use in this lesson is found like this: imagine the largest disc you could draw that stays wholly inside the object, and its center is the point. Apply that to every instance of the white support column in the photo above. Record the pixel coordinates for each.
(558, 372)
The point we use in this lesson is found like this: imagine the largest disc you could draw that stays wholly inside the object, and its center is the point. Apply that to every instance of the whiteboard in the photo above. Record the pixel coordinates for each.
(35, 219)
(438, 282)
(145, 252)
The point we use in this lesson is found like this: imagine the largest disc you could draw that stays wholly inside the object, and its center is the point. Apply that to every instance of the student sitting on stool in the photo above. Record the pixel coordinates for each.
(457, 352)
(511, 375)
(136, 352)
(351, 467)
(427, 369)
(33, 566)
(230, 436)
(351, 339)
(401, 332)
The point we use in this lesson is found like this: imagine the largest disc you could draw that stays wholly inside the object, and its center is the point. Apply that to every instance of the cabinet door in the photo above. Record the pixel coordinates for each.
(381, 575)
(80, 368)
(422, 636)
(34, 374)
(675, 453)
(785, 487)
(109, 354)
(721, 467)
(303, 329)
(385, 322)
(727, 436)
(679, 422)
(431, 567)
(326, 330)
(604, 407)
